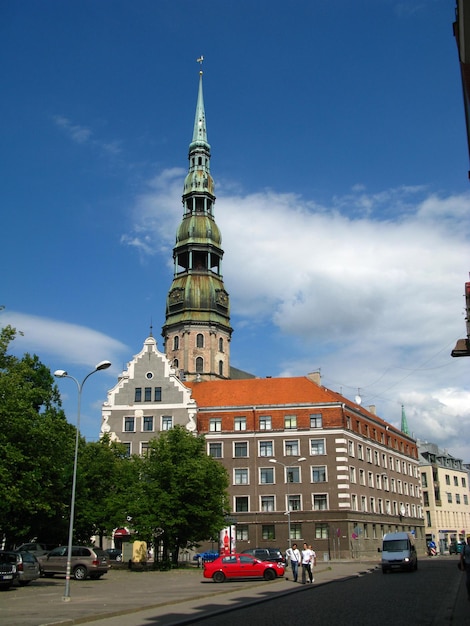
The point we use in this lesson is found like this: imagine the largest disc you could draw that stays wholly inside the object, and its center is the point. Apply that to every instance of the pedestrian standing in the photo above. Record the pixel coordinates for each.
(313, 561)
(465, 564)
(306, 560)
(293, 555)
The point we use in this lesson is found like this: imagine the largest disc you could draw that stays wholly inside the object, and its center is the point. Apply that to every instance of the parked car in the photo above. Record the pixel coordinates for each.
(27, 565)
(241, 566)
(38, 549)
(114, 554)
(204, 557)
(85, 562)
(8, 573)
(267, 554)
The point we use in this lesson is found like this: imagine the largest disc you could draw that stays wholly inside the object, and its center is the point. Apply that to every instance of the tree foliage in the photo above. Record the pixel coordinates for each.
(182, 491)
(36, 449)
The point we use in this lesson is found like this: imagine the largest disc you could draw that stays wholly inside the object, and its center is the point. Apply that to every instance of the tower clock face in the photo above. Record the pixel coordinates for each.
(222, 298)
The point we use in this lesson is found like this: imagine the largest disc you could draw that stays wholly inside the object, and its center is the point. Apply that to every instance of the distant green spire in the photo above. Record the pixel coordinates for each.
(404, 423)
(200, 131)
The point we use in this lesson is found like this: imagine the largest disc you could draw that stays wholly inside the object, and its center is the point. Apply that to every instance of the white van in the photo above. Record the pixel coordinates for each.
(399, 552)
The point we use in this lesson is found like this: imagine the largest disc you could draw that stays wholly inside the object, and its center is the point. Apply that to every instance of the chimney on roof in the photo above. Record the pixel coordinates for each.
(373, 409)
(315, 377)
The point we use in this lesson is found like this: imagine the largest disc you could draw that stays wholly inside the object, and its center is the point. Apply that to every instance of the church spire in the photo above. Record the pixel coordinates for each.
(197, 328)
(404, 421)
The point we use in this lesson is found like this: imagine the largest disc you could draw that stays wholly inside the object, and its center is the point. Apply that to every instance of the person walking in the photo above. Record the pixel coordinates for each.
(293, 555)
(306, 560)
(465, 564)
(313, 561)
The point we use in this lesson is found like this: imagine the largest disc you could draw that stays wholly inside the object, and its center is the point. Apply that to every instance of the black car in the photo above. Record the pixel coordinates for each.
(114, 554)
(266, 554)
(8, 571)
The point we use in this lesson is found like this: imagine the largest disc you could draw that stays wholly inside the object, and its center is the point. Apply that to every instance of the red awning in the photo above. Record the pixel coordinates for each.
(120, 532)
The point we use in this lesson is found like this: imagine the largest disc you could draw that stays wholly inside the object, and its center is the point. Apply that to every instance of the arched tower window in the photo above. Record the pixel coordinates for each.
(199, 365)
(176, 364)
(176, 342)
(221, 368)
(221, 345)
(200, 340)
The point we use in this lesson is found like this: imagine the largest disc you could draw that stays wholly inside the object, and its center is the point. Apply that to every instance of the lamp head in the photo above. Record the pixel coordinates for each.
(302, 458)
(103, 365)
(60, 373)
(272, 460)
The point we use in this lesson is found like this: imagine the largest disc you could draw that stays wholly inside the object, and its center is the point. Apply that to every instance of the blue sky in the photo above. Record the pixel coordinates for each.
(340, 162)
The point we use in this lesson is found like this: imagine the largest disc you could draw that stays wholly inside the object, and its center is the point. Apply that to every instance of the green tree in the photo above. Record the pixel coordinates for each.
(105, 477)
(182, 491)
(36, 449)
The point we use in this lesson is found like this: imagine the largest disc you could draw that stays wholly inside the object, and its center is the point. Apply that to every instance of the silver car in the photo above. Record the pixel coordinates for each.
(85, 562)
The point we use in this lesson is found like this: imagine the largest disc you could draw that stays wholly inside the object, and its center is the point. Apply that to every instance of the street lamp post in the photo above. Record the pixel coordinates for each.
(302, 458)
(63, 374)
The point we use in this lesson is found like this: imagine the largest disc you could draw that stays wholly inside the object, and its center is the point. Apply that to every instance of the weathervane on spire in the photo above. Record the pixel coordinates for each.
(200, 60)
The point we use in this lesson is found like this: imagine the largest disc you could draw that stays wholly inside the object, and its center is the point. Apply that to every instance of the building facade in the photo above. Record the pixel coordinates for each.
(446, 505)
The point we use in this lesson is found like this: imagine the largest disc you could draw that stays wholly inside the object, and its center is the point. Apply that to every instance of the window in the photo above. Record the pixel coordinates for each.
(316, 420)
(138, 394)
(215, 450)
(290, 422)
(240, 423)
(360, 452)
(296, 531)
(221, 368)
(241, 476)
(240, 449)
(266, 448)
(456, 481)
(265, 422)
(266, 475)
(267, 532)
(320, 502)
(292, 447)
(449, 497)
(199, 340)
(351, 448)
(292, 475)
(293, 503)
(317, 446)
(363, 504)
(129, 424)
(457, 498)
(319, 474)
(148, 394)
(144, 448)
(215, 425)
(376, 457)
(199, 365)
(127, 449)
(352, 474)
(464, 482)
(465, 499)
(353, 502)
(176, 342)
(321, 531)
(369, 455)
(362, 477)
(147, 424)
(370, 479)
(267, 504)
(158, 394)
(167, 422)
(221, 345)
(241, 504)
(241, 532)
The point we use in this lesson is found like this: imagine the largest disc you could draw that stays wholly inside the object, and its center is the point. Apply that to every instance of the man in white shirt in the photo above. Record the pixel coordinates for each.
(306, 564)
(293, 555)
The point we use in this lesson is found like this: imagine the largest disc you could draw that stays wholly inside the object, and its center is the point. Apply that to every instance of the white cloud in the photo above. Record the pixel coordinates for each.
(63, 342)
(83, 135)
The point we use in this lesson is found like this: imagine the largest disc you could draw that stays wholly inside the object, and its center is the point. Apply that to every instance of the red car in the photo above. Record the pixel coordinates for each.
(241, 566)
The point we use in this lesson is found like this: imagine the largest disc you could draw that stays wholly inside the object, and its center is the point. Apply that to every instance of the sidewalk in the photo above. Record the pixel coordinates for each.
(130, 597)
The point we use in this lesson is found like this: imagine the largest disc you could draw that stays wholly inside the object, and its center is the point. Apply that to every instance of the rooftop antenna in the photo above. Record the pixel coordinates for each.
(358, 398)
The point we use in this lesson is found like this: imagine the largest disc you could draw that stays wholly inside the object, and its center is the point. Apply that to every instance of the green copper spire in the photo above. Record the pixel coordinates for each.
(197, 329)
(200, 131)
(404, 422)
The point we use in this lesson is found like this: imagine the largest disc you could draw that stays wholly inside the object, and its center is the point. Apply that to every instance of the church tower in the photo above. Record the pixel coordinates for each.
(197, 327)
